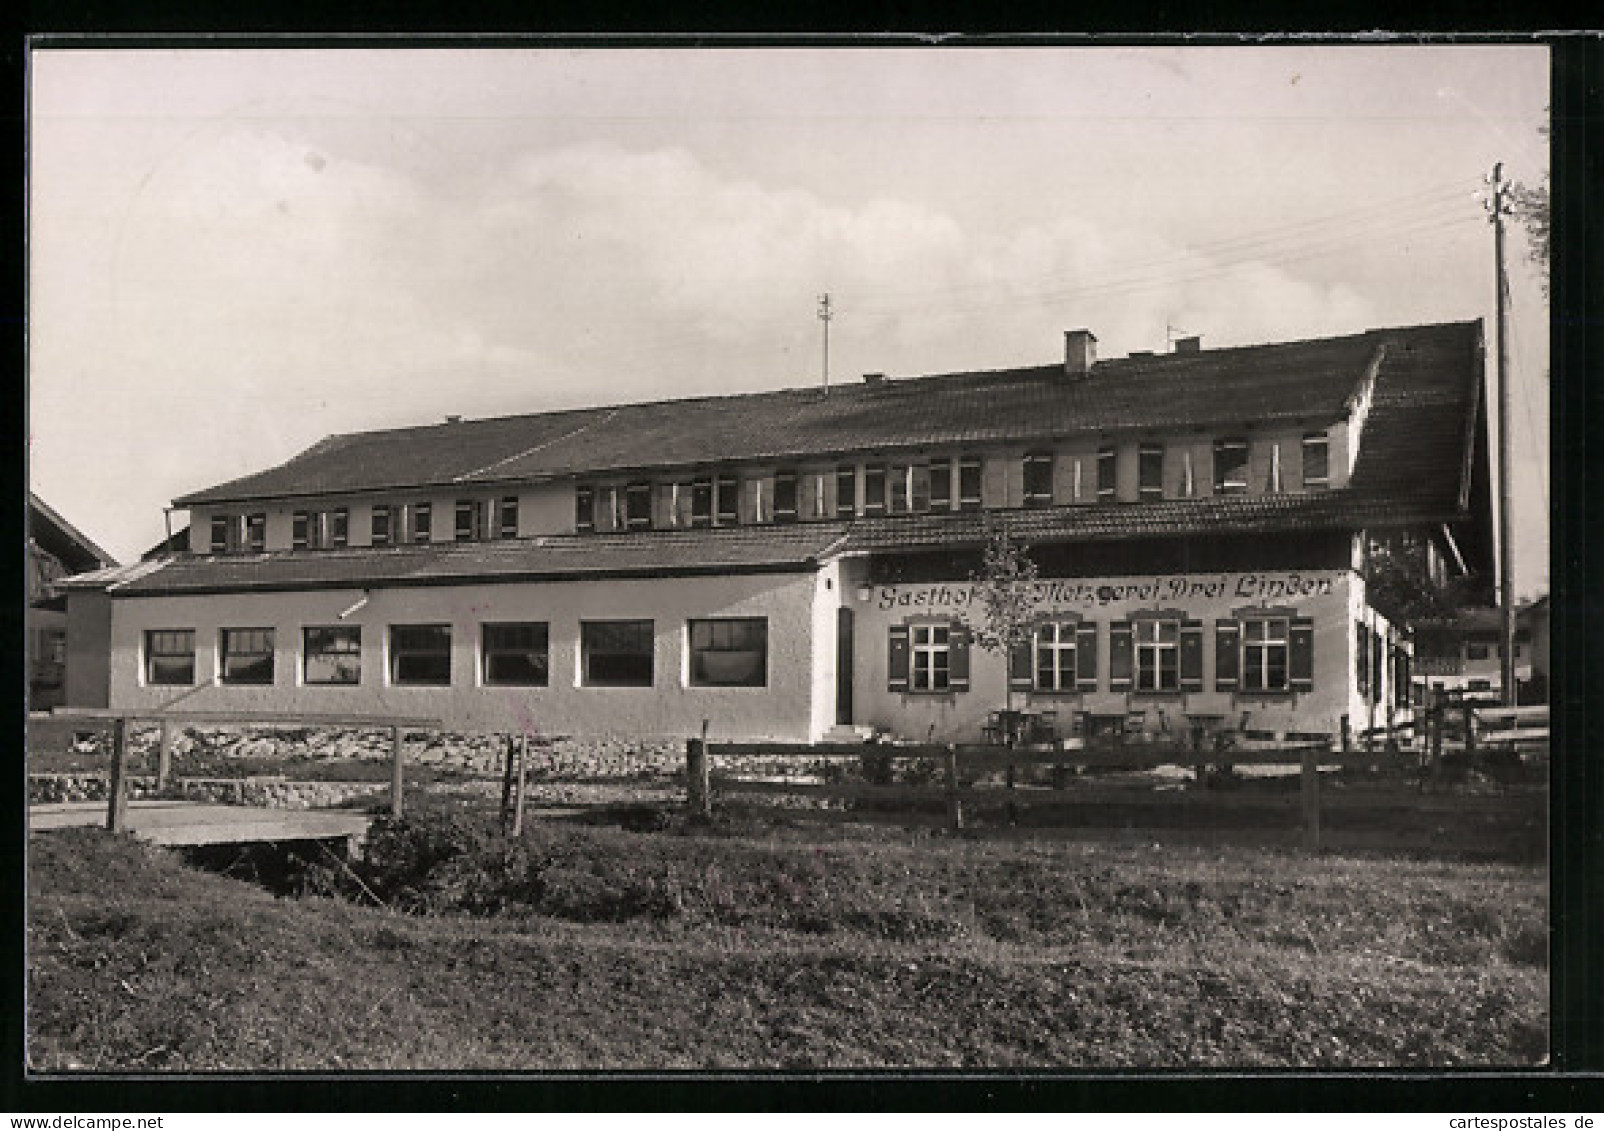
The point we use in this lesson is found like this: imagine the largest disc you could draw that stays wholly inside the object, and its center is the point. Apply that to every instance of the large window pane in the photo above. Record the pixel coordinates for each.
(516, 654)
(730, 652)
(247, 655)
(170, 656)
(332, 655)
(420, 655)
(617, 653)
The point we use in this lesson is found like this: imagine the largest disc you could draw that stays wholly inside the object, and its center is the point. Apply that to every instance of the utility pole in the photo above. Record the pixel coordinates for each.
(824, 317)
(1499, 207)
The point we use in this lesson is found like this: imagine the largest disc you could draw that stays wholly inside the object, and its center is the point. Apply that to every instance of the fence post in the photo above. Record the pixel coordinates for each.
(955, 804)
(117, 788)
(1311, 799)
(164, 755)
(698, 792)
(506, 781)
(518, 804)
(1347, 735)
(397, 747)
(1470, 729)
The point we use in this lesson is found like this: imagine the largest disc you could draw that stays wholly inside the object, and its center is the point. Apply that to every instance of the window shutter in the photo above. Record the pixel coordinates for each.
(958, 657)
(1120, 648)
(1020, 662)
(897, 656)
(1378, 659)
(1300, 654)
(1192, 655)
(1361, 658)
(1086, 656)
(1227, 655)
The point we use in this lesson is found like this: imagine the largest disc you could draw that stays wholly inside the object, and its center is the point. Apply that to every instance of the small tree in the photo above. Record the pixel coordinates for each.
(1006, 583)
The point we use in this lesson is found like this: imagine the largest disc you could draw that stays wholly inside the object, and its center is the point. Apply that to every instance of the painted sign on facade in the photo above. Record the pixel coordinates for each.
(1102, 593)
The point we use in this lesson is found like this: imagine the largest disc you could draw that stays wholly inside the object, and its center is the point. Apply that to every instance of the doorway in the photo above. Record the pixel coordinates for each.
(843, 666)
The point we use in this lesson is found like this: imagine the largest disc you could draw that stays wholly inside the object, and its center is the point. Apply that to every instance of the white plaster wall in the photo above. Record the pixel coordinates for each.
(671, 708)
(1326, 596)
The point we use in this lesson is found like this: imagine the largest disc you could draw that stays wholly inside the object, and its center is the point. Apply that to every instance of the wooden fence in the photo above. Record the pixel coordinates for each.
(961, 765)
(171, 721)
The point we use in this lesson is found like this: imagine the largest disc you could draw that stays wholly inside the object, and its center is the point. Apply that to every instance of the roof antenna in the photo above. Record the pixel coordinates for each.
(1173, 334)
(824, 317)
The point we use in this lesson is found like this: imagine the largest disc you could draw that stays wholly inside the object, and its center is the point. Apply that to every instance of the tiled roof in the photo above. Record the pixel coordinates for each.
(733, 550)
(1309, 380)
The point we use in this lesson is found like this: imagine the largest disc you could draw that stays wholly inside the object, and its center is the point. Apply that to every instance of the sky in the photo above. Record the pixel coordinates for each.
(234, 253)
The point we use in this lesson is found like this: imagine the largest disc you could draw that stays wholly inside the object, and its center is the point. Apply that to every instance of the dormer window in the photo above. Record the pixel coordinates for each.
(1230, 466)
(727, 492)
(1107, 478)
(785, 496)
(846, 491)
(1038, 479)
(969, 497)
(1150, 473)
(585, 510)
(379, 528)
(1316, 461)
(638, 506)
(874, 489)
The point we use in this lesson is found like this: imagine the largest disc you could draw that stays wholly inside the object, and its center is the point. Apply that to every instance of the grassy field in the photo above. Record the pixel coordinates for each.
(776, 946)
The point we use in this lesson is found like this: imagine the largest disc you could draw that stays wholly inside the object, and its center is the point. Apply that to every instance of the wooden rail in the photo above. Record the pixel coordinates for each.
(956, 766)
(119, 718)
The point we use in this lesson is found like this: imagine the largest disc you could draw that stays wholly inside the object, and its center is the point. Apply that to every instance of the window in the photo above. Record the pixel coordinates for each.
(300, 531)
(846, 492)
(898, 483)
(729, 652)
(1316, 461)
(941, 485)
(819, 505)
(220, 532)
(421, 520)
(584, 510)
(509, 516)
(1158, 655)
(470, 520)
(727, 492)
(247, 655)
(874, 489)
(420, 655)
(331, 655)
(340, 527)
(785, 496)
(318, 530)
(1065, 656)
(1106, 475)
(616, 653)
(638, 506)
(1039, 479)
(256, 533)
(1264, 654)
(702, 502)
(969, 498)
(170, 656)
(515, 655)
(1230, 466)
(1150, 472)
(679, 505)
(931, 657)
(380, 525)
(1477, 651)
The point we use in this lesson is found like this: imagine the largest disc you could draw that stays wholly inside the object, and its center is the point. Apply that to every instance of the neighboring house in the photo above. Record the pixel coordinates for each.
(56, 550)
(780, 565)
(1465, 653)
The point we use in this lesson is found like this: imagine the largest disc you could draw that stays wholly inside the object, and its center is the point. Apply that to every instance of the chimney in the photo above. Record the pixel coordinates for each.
(454, 419)
(874, 378)
(1193, 344)
(1080, 352)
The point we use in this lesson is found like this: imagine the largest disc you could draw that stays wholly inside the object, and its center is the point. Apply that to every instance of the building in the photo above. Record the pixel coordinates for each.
(56, 550)
(782, 565)
(1464, 654)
